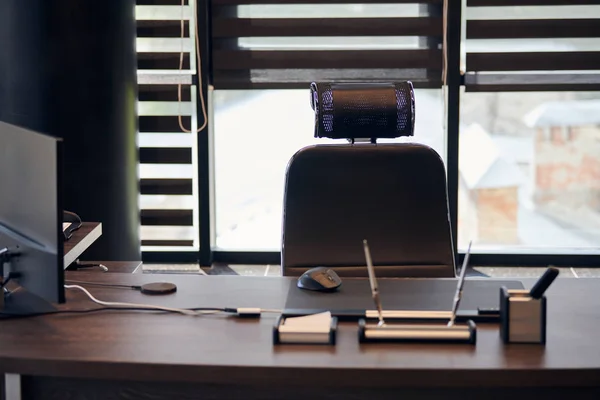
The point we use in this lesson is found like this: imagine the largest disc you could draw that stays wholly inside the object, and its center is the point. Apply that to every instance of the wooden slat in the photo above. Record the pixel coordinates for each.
(224, 85)
(162, 123)
(160, 2)
(533, 28)
(152, 28)
(249, 59)
(217, 3)
(162, 61)
(512, 3)
(531, 82)
(165, 155)
(167, 217)
(246, 27)
(166, 186)
(162, 93)
(532, 87)
(533, 61)
(301, 78)
(168, 243)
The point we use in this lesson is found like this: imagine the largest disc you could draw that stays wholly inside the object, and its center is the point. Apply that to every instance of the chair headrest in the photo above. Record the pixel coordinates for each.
(363, 110)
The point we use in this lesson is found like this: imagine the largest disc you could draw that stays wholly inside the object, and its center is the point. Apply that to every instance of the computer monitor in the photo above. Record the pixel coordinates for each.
(31, 212)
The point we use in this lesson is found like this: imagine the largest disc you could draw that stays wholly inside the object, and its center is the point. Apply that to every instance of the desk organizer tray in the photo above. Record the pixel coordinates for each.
(422, 333)
(304, 335)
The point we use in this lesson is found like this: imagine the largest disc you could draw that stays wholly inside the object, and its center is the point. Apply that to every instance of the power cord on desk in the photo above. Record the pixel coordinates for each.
(87, 311)
(120, 306)
(81, 265)
(111, 285)
(183, 311)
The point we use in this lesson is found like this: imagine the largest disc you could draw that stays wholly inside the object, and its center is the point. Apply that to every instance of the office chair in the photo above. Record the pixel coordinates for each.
(393, 194)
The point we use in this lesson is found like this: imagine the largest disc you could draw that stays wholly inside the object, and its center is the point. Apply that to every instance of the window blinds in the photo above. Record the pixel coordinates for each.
(168, 191)
(532, 45)
(289, 43)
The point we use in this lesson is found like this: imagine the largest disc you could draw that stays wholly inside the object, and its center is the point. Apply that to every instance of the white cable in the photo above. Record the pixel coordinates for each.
(198, 67)
(169, 309)
(270, 310)
(127, 305)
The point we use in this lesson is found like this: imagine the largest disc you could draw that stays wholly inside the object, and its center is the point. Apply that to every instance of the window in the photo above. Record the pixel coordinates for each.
(256, 133)
(522, 92)
(528, 184)
(263, 54)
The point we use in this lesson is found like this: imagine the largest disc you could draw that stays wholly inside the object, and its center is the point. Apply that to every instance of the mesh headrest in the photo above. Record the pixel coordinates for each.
(363, 110)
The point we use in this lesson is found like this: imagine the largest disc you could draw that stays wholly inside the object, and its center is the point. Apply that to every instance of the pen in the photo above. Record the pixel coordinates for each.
(537, 291)
(373, 282)
(461, 281)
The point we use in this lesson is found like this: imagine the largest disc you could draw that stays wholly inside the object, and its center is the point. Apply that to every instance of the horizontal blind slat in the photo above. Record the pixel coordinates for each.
(167, 217)
(162, 123)
(160, 28)
(161, 2)
(513, 3)
(165, 155)
(163, 93)
(217, 3)
(280, 27)
(250, 59)
(167, 243)
(533, 28)
(530, 82)
(166, 186)
(162, 60)
(301, 78)
(534, 61)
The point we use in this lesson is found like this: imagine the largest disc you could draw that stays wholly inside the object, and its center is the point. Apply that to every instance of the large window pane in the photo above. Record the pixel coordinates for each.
(530, 172)
(256, 133)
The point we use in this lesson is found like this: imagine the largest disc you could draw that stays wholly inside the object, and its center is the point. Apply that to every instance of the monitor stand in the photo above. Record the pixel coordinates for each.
(20, 302)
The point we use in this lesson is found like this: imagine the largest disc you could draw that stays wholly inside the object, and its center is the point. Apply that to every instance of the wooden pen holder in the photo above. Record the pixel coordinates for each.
(522, 318)
(433, 332)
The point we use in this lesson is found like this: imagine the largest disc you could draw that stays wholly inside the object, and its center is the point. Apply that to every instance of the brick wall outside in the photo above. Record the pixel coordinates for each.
(497, 215)
(567, 167)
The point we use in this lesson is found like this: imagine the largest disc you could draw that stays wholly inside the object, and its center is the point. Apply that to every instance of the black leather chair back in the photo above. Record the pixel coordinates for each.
(394, 195)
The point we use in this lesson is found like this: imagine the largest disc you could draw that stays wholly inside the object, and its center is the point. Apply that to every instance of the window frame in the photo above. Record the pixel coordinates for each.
(208, 254)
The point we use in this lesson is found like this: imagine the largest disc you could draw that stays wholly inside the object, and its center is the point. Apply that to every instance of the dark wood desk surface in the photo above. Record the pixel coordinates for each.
(218, 350)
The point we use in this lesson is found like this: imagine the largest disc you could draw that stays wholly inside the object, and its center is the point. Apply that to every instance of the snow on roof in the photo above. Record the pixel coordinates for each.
(565, 113)
(481, 163)
(515, 148)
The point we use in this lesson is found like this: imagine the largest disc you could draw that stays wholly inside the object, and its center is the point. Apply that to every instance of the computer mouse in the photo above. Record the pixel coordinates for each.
(321, 279)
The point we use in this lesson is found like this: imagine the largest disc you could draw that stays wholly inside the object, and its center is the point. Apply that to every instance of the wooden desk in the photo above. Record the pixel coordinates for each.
(82, 238)
(147, 355)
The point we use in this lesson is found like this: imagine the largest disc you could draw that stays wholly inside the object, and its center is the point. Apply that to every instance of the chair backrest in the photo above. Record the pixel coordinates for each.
(394, 195)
